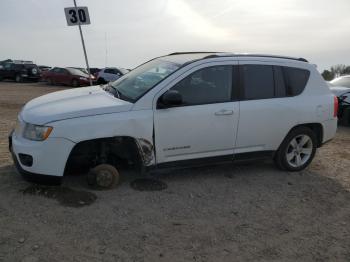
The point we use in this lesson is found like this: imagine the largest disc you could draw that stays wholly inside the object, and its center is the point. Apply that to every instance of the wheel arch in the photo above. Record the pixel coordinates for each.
(87, 153)
(317, 128)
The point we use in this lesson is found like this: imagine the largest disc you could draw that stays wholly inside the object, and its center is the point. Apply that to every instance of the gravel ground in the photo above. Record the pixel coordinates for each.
(243, 212)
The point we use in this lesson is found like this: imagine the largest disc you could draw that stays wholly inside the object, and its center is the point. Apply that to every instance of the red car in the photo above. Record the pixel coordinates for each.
(67, 76)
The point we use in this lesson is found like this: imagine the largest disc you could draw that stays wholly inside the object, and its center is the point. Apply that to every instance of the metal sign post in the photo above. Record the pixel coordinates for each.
(78, 16)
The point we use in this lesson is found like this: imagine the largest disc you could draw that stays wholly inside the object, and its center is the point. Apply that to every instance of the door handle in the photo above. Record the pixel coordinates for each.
(224, 112)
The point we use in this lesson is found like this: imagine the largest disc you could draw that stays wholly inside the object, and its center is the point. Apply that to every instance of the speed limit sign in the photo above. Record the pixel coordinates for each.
(79, 15)
(76, 15)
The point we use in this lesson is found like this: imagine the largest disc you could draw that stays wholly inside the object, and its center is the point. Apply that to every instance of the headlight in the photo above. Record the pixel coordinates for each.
(37, 133)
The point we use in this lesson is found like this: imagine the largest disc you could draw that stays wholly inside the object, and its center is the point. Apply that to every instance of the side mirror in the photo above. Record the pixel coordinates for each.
(170, 98)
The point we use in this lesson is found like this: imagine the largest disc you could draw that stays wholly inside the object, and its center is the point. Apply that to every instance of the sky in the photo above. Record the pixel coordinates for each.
(128, 33)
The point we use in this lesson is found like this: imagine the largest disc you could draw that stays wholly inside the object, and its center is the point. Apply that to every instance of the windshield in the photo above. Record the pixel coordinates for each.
(341, 81)
(139, 81)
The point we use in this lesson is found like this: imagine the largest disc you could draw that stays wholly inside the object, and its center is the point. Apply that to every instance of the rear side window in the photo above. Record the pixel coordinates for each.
(267, 81)
(295, 80)
(258, 81)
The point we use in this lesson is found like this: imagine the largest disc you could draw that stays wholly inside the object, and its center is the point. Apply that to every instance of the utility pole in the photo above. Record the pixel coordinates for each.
(82, 41)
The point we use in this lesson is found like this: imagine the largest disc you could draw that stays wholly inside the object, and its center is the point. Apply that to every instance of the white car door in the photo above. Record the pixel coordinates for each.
(205, 124)
(267, 111)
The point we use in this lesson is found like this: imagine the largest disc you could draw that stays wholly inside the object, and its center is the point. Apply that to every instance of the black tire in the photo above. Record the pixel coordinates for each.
(285, 150)
(345, 118)
(75, 83)
(49, 81)
(18, 78)
(103, 176)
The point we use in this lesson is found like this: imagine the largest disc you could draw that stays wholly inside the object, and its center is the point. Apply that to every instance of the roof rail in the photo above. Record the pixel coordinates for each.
(191, 53)
(256, 55)
(22, 62)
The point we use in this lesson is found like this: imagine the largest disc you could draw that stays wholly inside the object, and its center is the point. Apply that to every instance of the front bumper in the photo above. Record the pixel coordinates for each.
(86, 82)
(49, 156)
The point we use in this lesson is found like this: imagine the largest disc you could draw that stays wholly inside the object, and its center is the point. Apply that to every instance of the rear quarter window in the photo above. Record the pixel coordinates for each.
(295, 80)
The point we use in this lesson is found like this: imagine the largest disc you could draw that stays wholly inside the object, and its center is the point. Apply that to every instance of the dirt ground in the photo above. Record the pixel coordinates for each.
(243, 212)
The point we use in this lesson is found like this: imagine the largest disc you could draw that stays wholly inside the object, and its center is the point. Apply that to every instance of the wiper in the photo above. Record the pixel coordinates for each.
(119, 94)
(116, 91)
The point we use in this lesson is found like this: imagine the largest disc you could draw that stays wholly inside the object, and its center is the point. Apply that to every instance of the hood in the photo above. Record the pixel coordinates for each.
(72, 103)
(339, 90)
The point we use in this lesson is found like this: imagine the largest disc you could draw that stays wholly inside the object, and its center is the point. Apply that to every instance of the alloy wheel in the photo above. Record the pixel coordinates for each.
(299, 150)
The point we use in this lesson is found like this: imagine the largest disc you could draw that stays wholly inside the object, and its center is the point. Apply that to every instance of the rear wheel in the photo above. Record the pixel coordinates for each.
(345, 118)
(75, 83)
(297, 150)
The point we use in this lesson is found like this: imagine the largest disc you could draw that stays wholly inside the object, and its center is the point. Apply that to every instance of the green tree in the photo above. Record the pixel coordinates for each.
(328, 75)
(347, 71)
(338, 70)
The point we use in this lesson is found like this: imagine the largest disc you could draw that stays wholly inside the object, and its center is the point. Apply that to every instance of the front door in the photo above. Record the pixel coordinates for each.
(205, 125)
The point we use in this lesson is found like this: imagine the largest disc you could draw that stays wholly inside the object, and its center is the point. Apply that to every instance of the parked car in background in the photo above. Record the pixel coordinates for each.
(341, 88)
(44, 68)
(79, 68)
(19, 70)
(84, 70)
(94, 70)
(67, 76)
(109, 74)
(178, 110)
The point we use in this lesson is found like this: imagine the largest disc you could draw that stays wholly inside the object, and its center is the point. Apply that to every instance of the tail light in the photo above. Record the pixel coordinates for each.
(336, 106)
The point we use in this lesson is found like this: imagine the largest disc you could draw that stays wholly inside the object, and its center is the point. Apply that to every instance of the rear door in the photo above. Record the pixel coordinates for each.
(205, 124)
(54, 75)
(268, 109)
(65, 76)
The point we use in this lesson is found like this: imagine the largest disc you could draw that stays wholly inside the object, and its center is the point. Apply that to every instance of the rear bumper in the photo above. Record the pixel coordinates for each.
(329, 129)
(49, 156)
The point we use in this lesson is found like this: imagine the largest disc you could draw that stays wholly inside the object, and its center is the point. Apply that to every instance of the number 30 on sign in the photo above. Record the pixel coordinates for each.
(76, 15)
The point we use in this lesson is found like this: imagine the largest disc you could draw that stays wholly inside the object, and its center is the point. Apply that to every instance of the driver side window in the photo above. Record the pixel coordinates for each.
(206, 86)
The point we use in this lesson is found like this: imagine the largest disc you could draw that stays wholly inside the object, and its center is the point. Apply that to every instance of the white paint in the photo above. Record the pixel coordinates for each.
(88, 113)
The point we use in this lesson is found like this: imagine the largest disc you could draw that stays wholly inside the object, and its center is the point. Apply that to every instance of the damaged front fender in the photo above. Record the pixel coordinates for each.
(146, 150)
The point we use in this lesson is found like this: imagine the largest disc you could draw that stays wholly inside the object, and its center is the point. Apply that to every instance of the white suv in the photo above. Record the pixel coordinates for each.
(109, 74)
(180, 109)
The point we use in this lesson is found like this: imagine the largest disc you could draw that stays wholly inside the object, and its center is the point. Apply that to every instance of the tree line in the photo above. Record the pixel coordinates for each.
(336, 71)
